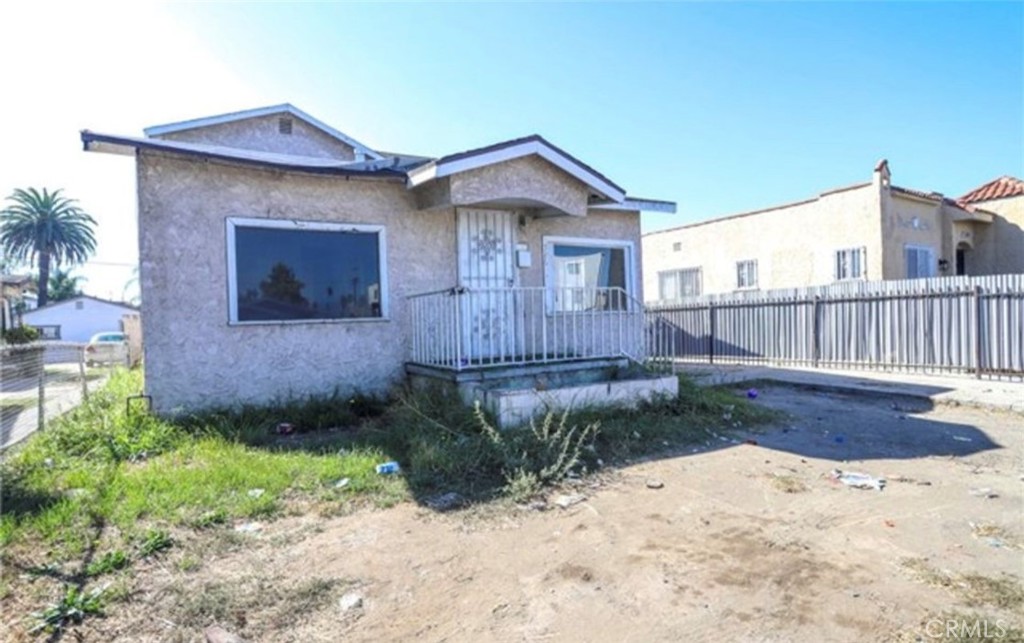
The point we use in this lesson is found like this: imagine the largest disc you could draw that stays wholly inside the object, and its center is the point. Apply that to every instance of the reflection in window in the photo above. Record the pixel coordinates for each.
(285, 274)
(580, 271)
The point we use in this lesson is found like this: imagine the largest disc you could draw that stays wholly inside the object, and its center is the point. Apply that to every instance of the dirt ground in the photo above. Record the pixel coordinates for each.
(743, 542)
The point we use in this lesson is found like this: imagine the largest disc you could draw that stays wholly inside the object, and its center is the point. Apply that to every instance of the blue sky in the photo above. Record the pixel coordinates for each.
(721, 107)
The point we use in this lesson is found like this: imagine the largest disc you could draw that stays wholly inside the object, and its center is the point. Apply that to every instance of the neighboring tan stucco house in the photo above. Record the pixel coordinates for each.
(281, 257)
(868, 231)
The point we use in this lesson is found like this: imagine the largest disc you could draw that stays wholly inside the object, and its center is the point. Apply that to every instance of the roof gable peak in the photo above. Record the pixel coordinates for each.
(270, 110)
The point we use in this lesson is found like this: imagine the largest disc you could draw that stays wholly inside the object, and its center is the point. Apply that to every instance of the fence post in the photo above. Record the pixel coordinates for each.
(711, 332)
(976, 296)
(81, 373)
(815, 329)
(41, 420)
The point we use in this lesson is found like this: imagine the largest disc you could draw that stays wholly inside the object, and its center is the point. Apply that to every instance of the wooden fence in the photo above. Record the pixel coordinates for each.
(948, 324)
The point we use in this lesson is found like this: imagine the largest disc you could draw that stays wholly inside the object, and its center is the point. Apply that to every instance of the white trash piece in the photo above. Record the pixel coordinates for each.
(858, 480)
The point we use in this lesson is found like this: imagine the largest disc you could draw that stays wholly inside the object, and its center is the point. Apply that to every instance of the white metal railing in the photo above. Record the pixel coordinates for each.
(463, 328)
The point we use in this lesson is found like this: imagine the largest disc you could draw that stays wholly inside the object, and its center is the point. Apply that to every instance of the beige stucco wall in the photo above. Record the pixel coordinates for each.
(910, 221)
(529, 178)
(999, 247)
(794, 245)
(602, 224)
(261, 133)
(194, 358)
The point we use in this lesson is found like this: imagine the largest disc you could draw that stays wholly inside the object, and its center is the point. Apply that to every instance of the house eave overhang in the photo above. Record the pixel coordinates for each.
(284, 108)
(636, 204)
(128, 145)
(501, 152)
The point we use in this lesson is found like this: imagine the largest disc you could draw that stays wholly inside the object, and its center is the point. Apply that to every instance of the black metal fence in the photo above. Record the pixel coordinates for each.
(952, 324)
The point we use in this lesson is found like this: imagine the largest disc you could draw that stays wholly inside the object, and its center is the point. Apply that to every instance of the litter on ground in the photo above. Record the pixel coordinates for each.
(858, 480)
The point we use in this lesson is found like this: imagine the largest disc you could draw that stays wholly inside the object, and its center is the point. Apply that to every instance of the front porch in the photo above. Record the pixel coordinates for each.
(461, 329)
(521, 352)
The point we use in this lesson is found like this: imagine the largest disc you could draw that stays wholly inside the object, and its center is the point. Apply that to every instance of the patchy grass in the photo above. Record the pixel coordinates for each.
(997, 533)
(974, 590)
(16, 404)
(73, 606)
(250, 605)
(788, 484)
(106, 478)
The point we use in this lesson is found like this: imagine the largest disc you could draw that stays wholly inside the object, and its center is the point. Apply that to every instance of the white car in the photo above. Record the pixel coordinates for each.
(107, 348)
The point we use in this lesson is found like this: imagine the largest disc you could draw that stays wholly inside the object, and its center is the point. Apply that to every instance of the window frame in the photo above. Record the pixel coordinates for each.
(931, 262)
(862, 254)
(548, 243)
(678, 272)
(232, 223)
(757, 275)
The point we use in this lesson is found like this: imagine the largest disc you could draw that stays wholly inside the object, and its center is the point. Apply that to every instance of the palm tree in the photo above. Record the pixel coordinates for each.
(63, 286)
(46, 227)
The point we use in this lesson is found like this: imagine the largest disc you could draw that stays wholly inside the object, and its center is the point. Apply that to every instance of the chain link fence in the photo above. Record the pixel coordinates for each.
(43, 380)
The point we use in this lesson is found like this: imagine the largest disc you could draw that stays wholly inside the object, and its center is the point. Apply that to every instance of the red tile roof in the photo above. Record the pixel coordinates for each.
(1004, 186)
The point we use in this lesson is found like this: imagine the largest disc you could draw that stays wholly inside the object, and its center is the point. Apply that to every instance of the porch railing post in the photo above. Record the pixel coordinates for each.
(458, 330)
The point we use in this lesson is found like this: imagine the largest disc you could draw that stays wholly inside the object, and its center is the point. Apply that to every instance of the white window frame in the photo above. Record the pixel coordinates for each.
(861, 255)
(678, 272)
(748, 263)
(549, 243)
(316, 226)
(930, 262)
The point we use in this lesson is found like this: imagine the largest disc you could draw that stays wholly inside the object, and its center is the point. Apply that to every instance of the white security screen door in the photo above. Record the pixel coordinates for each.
(487, 269)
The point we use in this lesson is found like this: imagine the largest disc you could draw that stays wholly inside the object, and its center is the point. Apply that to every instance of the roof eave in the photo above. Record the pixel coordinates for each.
(639, 205)
(219, 119)
(110, 144)
(497, 154)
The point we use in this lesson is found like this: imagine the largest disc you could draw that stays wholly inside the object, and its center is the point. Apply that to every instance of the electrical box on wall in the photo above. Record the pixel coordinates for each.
(523, 257)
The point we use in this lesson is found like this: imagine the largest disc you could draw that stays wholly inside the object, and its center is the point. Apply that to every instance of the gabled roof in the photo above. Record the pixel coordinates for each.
(513, 149)
(1001, 188)
(62, 302)
(412, 169)
(97, 142)
(284, 108)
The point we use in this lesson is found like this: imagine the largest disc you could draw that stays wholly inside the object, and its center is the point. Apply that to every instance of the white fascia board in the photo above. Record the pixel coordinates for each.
(638, 205)
(437, 170)
(170, 128)
(103, 147)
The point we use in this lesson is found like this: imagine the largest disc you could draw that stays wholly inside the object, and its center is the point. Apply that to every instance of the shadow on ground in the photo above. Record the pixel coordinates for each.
(843, 426)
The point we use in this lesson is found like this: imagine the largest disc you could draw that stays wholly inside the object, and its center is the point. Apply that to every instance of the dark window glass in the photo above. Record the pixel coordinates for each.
(306, 274)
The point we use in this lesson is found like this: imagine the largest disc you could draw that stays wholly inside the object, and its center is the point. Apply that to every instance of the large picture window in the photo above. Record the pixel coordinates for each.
(292, 271)
(588, 274)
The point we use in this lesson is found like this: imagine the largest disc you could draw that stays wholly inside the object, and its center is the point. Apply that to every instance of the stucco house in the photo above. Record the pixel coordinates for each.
(868, 231)
(79, 318)
(280, 256)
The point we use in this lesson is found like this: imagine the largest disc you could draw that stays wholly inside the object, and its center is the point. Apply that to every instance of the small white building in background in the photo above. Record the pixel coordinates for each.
(80, 318)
